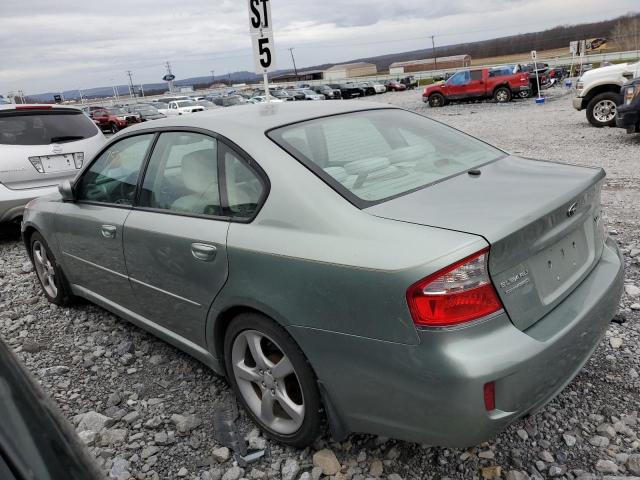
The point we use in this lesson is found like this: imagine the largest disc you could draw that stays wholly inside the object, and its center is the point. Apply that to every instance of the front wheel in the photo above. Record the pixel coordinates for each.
(114, 128)
(52, 279)
(502, 95)
(601, 110)
(273, 379)
(436, 100)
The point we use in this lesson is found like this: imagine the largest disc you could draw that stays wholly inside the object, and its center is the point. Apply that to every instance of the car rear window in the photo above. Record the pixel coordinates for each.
(40, 127)
(375, 155)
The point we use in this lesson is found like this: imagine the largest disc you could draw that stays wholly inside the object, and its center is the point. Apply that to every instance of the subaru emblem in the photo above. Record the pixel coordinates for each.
(55, 148)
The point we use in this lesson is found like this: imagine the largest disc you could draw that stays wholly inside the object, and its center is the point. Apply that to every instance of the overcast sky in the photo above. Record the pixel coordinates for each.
(48, 45)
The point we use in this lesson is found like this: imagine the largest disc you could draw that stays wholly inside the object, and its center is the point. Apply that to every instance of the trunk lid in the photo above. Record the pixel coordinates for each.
(541, 219)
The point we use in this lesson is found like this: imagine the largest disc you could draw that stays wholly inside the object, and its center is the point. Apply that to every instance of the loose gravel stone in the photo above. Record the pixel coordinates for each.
(327, 461)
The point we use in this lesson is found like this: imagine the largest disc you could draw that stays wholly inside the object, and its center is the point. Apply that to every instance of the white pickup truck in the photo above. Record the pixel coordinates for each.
(179, 107)
(598, 91)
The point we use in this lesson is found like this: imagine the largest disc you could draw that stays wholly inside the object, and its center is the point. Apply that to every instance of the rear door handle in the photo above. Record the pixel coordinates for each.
(204, 252)
(108, 231)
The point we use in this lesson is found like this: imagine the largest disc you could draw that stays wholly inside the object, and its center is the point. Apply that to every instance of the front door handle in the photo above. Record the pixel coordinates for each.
(108, 231)
(204, 252)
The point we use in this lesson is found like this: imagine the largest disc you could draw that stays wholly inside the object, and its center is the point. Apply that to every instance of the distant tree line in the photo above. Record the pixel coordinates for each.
(625, 31)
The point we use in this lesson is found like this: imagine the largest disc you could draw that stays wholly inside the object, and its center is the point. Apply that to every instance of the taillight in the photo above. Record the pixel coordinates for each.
(78, 159)
(460, 293)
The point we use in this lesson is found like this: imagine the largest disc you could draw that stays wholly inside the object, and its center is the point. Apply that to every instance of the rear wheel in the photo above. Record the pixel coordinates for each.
(52, 279)
(273, 379)
(436, 100)
(601, 110)
(114, 128)
(502, 95)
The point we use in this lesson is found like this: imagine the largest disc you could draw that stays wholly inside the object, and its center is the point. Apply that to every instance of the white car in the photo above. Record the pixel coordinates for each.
(40, 146)
(379, 87)
(180, 107)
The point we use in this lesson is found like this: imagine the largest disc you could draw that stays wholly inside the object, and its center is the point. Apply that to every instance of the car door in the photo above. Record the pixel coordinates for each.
(89, 229)
(476, 86)
(457, 84)
(175, 238)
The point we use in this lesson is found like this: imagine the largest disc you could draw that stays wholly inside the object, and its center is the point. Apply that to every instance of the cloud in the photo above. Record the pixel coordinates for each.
(48, 45)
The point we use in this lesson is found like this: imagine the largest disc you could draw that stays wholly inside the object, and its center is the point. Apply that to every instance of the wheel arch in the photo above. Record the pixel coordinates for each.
(603, 88)
(223, 320)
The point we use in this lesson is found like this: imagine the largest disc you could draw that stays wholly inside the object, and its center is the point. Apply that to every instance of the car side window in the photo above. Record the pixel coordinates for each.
(476, 74)
(244, 187)
(113, 177)
(182, 175)
(460, 78)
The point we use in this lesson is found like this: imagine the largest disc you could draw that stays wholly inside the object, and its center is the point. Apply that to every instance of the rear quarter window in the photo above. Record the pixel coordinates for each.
(44, 127)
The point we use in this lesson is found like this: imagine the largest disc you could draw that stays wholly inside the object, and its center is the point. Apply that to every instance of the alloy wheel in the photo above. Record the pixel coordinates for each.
(44, 269)
(604, 111)
(268, 382)
(502, 96)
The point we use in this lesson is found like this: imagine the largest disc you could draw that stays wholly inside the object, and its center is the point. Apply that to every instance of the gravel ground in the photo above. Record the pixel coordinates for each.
(146, 410)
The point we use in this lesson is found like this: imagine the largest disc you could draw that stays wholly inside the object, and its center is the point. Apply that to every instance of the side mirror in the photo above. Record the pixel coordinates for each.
(66, 191)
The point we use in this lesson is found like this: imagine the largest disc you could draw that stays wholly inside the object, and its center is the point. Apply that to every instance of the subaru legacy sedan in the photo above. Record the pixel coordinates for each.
(354, 261)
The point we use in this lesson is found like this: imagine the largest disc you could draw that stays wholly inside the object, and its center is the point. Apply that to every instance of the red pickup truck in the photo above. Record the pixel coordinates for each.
(501, 84)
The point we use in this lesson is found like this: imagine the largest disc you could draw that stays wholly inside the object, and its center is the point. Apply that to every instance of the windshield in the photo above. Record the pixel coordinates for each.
(374, 155)
(186, 103)
(43, 128)
(116, 111)
(308, 92)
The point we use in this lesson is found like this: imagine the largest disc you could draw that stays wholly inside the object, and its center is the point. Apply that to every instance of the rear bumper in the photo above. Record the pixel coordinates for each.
(433, 392)
(628, 117)
(12, 202)
(578, 103)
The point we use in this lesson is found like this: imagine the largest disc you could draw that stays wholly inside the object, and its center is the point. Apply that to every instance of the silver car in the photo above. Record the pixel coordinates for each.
(41, 145)
(353, 261)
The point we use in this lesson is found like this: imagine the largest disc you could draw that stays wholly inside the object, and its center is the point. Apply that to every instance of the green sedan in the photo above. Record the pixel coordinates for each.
(357, 263)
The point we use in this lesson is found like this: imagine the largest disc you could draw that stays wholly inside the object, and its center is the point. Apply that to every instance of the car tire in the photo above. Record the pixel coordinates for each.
(502, 95)
(113, 128)
(298, 390)
(51, 277)
(601, 109)
(436, 100)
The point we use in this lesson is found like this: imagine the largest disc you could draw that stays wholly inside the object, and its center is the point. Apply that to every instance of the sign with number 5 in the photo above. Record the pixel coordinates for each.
(261, 31)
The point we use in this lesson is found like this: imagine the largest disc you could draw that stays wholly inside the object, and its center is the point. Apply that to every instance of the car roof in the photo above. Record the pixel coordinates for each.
(235, 122)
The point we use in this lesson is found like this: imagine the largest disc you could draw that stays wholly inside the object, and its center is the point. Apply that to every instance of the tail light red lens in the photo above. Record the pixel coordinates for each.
(460, 293)
(490, 396)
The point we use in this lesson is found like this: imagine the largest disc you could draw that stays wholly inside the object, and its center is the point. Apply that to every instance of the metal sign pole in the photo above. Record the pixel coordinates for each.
(265, 78)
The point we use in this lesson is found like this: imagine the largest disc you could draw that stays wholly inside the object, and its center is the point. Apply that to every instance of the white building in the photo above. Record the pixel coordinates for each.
(349, 70)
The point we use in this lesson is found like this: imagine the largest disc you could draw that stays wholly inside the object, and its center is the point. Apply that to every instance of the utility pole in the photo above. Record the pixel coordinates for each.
(213, 76)
(81, 96)
(435, 59)
(168, 65)
(294, 61)
(132, 92)
(142, 90)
